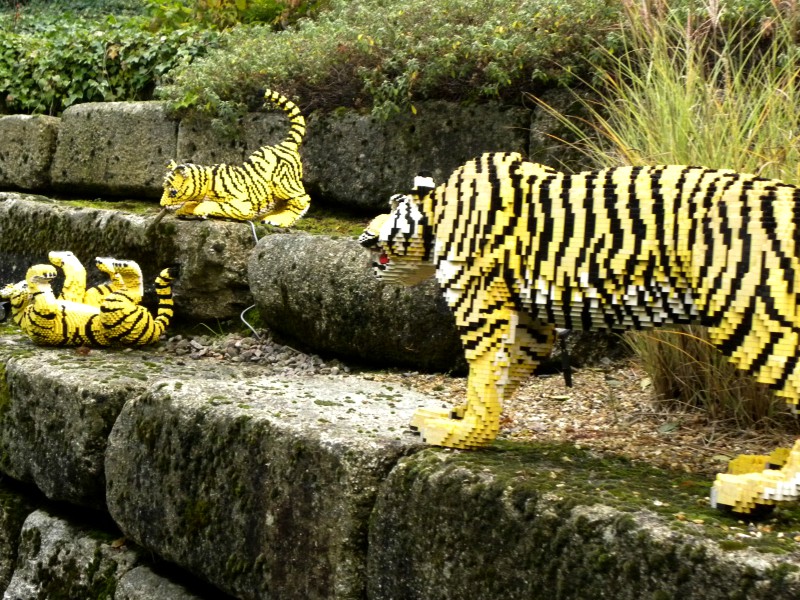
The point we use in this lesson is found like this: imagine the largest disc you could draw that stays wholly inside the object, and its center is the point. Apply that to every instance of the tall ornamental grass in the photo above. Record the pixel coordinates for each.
(700, 88)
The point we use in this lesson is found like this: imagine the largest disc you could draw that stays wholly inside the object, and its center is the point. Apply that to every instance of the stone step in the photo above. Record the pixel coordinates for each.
(121, 149)
(312, 488)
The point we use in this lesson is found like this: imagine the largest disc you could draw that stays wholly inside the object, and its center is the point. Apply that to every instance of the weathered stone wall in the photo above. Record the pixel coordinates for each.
(212, 254)
(353, 160)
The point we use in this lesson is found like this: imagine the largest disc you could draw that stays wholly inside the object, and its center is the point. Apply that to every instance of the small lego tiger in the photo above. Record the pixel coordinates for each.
(119, 320)
(267, 187)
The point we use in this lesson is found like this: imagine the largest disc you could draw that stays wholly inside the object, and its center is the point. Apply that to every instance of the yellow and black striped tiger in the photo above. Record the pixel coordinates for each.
(118, 321)
(49, 321)
(519, 249)
(267, 187)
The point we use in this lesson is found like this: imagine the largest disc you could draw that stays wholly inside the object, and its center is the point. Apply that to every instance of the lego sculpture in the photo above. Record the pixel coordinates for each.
(267, 187)
(754, 483)
(520, 249)
(106, 315)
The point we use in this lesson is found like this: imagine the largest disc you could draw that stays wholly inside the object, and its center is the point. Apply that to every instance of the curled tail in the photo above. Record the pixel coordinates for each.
(164, 293)
(297, 123)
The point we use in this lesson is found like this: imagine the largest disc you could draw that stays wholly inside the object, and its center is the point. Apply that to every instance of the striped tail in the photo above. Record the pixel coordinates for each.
(297, 123)
(164, 293)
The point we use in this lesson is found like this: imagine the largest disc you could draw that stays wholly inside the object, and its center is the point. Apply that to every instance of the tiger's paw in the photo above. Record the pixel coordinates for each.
(285, 219)
(743, 494)
(423, 414)
(469, 432)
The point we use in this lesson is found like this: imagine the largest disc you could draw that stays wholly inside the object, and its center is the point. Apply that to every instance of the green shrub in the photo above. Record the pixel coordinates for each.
(221, 14)
(686, 371)
(47, 65)
(701, 90)
(387, 54)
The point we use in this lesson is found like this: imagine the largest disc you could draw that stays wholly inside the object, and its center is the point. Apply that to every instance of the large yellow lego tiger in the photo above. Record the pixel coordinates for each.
(267, 187)
(519, 249)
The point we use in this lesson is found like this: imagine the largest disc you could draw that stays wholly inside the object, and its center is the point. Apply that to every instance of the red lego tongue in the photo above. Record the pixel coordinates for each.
(383, 258)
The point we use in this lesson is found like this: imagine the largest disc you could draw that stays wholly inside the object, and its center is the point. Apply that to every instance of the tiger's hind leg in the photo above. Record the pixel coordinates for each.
(494, 375)
(295, 208)
(764, 343)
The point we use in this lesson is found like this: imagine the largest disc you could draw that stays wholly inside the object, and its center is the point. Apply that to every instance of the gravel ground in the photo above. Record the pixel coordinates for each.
(608, 409)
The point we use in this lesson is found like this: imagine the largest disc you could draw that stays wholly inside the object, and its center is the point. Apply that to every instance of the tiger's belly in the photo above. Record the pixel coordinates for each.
(588, 307)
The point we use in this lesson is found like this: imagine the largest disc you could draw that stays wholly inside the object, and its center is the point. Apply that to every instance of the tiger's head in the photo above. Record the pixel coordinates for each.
(39, 278)
(129, 273)
(105, 264)
(402, 240)
(64, 257)
(182, 183)
(18, 299)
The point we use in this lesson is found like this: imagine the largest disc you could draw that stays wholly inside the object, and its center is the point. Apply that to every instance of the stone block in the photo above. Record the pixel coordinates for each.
(520, 521)
(200, 143)
(56, 420)
(322, 293)
(60, 559)
(114, 149)
(27, 146)
(142, 583)
(15, 507)
(263, 486)
(358, 161)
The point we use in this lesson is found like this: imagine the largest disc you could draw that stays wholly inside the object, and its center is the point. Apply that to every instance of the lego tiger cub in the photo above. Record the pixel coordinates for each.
(267, 187)
(119, 320)
(519, 249)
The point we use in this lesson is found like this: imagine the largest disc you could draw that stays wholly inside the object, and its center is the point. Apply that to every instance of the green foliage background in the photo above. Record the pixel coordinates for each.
(386, 54)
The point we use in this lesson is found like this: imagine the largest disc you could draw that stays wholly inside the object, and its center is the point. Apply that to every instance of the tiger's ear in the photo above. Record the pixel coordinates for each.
(395, 200)
(172, 164)
(423, 185)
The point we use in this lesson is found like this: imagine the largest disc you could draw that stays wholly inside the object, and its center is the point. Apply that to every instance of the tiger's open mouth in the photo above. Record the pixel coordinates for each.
(382, 262)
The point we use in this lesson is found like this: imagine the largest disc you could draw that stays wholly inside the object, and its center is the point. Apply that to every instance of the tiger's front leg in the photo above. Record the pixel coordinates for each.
(209, 208)
(295, 208)
(186, 209)
(495, 372)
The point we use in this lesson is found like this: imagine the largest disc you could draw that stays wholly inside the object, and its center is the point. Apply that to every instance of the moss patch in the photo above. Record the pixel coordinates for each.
(137, 207)
(574, 477)
(324, 221)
